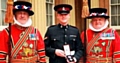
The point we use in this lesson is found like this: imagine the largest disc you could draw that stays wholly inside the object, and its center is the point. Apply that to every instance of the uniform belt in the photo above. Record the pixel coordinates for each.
(25, 60)
(97, 59)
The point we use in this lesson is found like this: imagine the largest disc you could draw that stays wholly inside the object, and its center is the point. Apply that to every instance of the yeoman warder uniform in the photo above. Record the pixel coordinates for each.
(27, 45)
(102, 46)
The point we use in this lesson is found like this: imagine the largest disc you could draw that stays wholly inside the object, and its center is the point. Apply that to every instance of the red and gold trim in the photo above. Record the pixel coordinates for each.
(20, 42)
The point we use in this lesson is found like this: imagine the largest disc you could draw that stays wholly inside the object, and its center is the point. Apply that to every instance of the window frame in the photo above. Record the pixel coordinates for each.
(53, 14)
(1, 25)
(117, 26)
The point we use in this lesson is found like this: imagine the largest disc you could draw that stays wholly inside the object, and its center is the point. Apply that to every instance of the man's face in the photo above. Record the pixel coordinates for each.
(22, 16)
(63, 18)
(98, 22)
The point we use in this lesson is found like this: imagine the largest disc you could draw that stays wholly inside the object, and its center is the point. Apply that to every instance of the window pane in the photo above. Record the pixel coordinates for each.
(50, 9)
(47, 20)
(114, 20)
(118, 9)
(51, 20)
(46, 8)
(3, 17)
(51, 0)
(118, 1)
(47, 0)
(49, 13)
(118, 20)
(3, 4)
(113, 12)
(113, 1)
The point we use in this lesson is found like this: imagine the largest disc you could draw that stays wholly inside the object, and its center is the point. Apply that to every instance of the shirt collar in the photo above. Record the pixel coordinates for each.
(64, 27)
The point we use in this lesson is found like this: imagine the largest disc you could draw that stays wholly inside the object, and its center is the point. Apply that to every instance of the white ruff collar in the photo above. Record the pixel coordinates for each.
(27, 24)
(97, 30)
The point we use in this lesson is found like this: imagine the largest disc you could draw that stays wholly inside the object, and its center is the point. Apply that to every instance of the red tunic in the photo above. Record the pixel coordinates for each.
(29, 49)
(102, 50)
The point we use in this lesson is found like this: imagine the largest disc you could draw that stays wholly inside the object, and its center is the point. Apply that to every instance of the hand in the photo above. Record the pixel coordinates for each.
(75, 60)
(60, 53)
(70, 62)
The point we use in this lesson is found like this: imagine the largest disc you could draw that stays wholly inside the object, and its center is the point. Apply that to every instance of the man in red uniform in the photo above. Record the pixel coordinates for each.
(103, 43)
(27, 45)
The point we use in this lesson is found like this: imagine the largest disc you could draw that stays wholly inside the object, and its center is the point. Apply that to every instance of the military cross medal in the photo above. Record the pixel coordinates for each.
(67, 53)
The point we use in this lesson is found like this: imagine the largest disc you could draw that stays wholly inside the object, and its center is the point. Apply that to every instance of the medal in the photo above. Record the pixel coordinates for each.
(33, 37)
(109, 36)
(31, 45)
(25, 44)
(103, 43)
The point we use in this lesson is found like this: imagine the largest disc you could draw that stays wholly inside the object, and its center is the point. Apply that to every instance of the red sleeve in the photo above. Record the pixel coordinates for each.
(41, 48)
(116, 53)
(3, 46)
(82, 37)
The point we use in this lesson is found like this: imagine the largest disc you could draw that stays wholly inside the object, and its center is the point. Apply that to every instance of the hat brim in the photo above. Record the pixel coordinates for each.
(29, 11)
(89, 17)
(63, 12)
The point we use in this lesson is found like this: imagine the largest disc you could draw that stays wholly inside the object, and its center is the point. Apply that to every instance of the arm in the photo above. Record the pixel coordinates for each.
(82, 36)
(79, 47)
(50, 52)
(41, 49)
(116, 48)
(3, 46)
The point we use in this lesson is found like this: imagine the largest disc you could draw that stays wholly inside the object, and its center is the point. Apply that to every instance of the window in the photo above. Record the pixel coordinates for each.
(115, 13)
(3, 6)
(2, 12)
(49, 12)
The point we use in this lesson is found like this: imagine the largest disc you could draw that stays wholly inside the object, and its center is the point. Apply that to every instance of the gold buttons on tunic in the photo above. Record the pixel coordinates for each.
(65, 35)
(73, 39)
(54, 39)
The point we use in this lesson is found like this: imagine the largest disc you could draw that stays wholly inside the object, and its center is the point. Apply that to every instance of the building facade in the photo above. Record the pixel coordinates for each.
(45, 15)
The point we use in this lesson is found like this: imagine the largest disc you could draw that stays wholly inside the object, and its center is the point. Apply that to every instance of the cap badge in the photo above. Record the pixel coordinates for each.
(63, 8)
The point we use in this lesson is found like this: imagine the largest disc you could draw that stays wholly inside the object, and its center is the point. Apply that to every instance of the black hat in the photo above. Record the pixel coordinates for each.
(98, 12)
(63, 8)
(22, 6)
